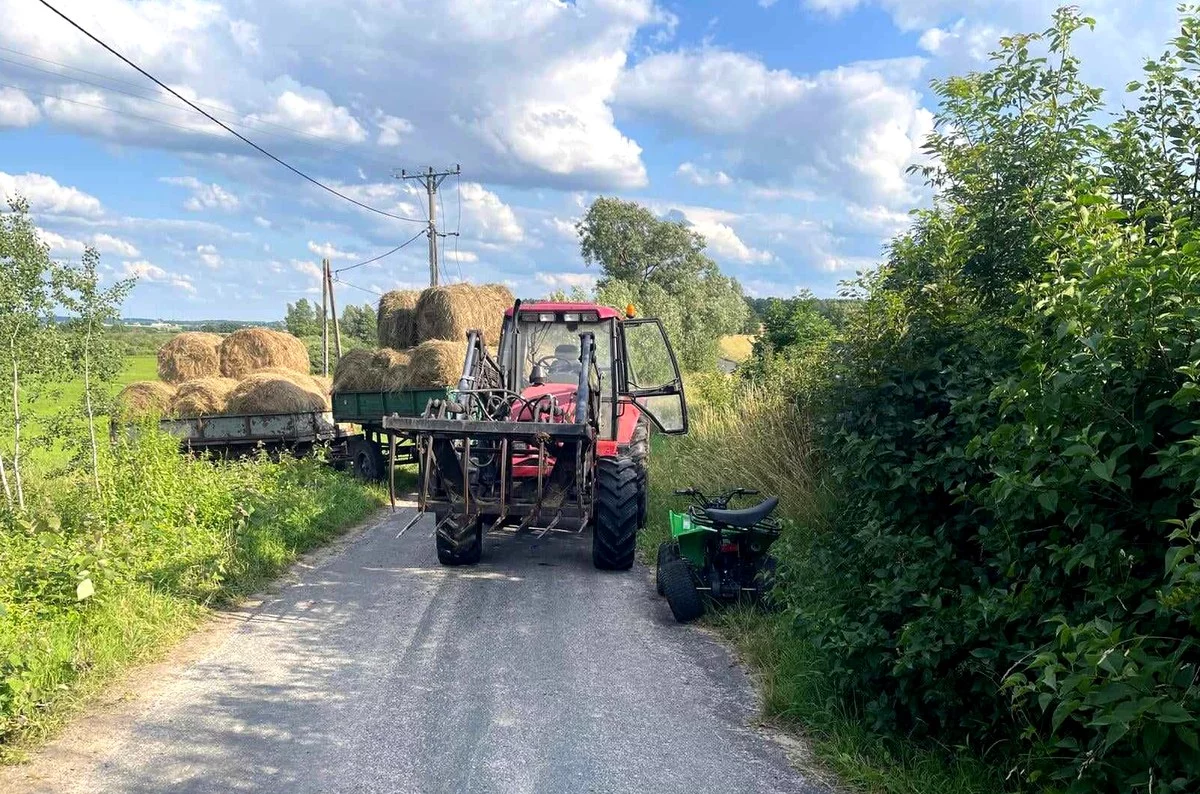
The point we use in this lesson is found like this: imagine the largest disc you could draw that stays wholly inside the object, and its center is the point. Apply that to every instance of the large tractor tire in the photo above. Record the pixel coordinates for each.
(614, 532)
(682, 596)
(458, 544)
(639, 451)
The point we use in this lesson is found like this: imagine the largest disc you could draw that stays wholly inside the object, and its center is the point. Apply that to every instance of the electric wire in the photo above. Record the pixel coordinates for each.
(222, 124)
(381, 256)
(339, 280)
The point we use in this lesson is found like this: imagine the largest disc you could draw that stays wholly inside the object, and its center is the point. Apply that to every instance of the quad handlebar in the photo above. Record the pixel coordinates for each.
(720, 501)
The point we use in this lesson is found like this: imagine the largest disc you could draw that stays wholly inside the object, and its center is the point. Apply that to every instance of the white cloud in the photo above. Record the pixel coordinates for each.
(328, 251)
(16, 109)
(702, 177)
(563, 228)
(566, 281)
(460, 256)
(311, 111)
(392, 129)
(205, 196)
(486, 217)
(311, 269)
(60, 246)
(108, 244)
(531, 103)
(209, 255)
(723, 242)
(262, 222)
(852, 130)
(146, 271)
(878, 220)
(45, 194)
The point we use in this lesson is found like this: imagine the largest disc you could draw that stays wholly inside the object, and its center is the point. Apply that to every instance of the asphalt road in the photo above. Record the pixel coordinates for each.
(377, 670)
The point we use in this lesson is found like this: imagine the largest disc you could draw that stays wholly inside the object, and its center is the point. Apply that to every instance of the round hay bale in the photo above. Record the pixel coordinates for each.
(355, 371)
(436, 362)
(449, 312)
(202, 397)
(372, 370)
(188, 356)
(396, 320)
(392, 368)
(145, 399)
(324, 382)
(270, 393)
(253, 349)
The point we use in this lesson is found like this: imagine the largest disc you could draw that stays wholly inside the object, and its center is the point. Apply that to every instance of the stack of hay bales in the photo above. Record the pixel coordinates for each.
(251, 371)
(422, 337)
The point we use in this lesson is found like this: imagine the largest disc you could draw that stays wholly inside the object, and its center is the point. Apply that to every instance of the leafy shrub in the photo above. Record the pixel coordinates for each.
(88, 584)
(1012, 429)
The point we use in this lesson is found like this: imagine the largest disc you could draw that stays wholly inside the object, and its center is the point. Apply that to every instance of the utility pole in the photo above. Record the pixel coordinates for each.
(324, 318)
(432, 180)
(337, 332)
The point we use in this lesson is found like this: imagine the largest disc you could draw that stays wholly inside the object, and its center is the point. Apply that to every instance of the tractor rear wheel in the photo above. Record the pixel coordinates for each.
(667, 552)
(458, 544)
(614, 531)
(682, 596)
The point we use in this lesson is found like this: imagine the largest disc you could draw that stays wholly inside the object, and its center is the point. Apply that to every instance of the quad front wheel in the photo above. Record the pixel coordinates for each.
(680, 589)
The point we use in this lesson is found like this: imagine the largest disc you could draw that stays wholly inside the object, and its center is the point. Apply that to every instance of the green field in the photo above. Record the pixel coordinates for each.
(56, 398)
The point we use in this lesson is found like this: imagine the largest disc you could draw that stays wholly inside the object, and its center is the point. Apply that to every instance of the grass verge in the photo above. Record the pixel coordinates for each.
(768, 446)
(90, 586)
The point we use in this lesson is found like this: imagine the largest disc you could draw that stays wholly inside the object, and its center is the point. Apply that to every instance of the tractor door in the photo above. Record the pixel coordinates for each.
(651, 374)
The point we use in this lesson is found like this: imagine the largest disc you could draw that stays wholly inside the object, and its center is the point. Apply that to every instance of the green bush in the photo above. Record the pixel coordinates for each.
(1011, 421)
(89, 584)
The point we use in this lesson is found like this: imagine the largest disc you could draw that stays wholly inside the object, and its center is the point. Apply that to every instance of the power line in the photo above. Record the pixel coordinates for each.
(381, 256)
(222, 124)
(355, 286)
(103, 107)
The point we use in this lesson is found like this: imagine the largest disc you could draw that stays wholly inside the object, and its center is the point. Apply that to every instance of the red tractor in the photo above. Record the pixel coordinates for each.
(550, 434)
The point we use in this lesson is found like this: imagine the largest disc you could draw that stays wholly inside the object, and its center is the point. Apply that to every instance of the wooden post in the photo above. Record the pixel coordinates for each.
(324, 317)
(337, 332)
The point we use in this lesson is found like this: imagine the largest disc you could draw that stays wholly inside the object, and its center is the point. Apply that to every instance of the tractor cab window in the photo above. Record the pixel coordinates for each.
(652, 375)
(548, 352)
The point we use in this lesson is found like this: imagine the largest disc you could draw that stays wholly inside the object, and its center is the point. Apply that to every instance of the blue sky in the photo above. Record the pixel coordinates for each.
(781, 131)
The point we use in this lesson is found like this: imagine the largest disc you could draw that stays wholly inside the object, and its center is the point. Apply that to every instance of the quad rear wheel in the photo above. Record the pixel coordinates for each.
(667, 552)
(614, 532)
(680, 589)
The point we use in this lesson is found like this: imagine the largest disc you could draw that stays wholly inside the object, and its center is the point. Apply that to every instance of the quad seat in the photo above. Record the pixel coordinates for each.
(744, 518)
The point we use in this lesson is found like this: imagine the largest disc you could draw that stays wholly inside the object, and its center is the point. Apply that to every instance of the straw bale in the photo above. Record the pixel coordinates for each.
(189, 356)
(271, 393)
(253, 349)
(396, 321)
(145, 399)
(449, 312)
(202, 397)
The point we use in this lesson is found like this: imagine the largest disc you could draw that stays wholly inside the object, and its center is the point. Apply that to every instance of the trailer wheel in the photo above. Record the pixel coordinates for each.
(614, 533)
(366, 461)
(682, 596)
(458, 544)
(639, 450)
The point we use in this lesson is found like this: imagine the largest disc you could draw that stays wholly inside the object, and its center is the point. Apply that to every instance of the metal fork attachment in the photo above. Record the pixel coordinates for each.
(491, 455)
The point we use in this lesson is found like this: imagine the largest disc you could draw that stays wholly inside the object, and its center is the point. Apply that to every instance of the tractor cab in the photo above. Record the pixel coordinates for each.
(632, 362)
(551, 433)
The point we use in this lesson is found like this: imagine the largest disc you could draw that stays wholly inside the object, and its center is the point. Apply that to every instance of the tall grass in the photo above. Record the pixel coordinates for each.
(91, 585)
(743, 437)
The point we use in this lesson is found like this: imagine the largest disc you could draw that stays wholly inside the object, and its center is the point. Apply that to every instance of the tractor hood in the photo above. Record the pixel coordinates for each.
(539, 397)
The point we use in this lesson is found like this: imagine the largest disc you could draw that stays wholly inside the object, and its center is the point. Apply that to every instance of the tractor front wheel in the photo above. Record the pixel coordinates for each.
(682, 596)
(614, 532)
(459, 544)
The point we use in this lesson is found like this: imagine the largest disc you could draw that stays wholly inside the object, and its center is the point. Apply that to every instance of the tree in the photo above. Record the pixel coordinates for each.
(301, 318)
(359, 322)
(630, 244)
(660, 267)
(99, 356)
(30, 343)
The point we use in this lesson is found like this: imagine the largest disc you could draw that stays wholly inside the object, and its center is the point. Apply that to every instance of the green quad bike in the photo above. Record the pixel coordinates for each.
(718, 552)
